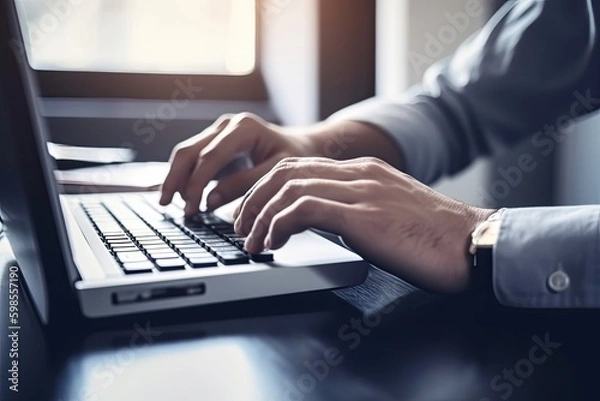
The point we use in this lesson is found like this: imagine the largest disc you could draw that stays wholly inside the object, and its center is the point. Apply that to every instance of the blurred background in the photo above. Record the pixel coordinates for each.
(146, 74)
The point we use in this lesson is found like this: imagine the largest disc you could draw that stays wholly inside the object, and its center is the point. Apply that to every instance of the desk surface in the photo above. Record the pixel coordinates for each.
(372, 342)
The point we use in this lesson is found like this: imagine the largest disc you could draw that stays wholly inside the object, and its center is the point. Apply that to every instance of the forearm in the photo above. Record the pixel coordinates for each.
(527, 69)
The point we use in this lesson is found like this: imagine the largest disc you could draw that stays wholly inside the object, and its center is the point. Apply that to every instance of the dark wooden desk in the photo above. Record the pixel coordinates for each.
(371, 342)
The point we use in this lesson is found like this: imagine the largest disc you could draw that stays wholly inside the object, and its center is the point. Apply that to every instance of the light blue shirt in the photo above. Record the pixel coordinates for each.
(531, 71)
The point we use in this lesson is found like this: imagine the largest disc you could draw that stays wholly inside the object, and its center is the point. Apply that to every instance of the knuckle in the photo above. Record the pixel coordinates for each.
(372, 164)
(221, 121)
(260, 226)
(289, 192)
(251, 213)
(245, 118)
(366, 186)
(284, 167)
(226, 117)
(287, 161)
(210, 154)
(181, 151)
(279, 223)
(304, 205)
(374, 161)
(292, 187)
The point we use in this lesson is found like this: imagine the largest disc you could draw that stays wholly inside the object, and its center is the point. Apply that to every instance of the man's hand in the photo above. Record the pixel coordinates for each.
(197, 161)
(388, 217)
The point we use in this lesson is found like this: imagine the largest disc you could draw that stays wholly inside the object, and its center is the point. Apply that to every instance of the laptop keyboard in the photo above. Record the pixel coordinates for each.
(143, 240)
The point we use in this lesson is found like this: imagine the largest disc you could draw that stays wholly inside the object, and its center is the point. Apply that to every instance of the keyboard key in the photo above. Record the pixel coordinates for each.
(115, 237)
(233, 258)
(170, 264)
(191, 246)
(110, 231)
(207, 219)
(131, 257)
(143, 234)
(151, 242)
(159, 247)
(263, 257)
(191, 224)
(196, 253)
(240, 244)
(169, 231)
(146, 234)
(149, 238)
(164, 225)
(124, 249)
(235, 237)
(200, 262)
(223, 228)
(138, 267)
(125, 242)
(201, 232)
(182, 241)
(214, 241)
(102, 219)
(224, 248)
(164, 255)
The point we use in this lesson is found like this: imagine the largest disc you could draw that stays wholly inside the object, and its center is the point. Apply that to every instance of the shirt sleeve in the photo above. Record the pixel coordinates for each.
(548, 258)
(533, 63)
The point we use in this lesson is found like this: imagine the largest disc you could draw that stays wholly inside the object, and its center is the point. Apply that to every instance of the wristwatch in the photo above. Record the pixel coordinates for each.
(483, 240)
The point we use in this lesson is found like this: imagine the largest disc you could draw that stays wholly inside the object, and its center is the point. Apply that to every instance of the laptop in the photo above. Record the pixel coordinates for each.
(118, 254)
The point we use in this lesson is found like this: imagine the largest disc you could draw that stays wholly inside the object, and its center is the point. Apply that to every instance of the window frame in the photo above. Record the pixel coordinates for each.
(92, 84)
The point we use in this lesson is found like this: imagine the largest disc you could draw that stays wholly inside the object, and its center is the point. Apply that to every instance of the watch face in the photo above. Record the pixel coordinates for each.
(486, 234)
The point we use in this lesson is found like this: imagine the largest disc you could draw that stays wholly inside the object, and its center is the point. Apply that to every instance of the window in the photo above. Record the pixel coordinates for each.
(213, 37)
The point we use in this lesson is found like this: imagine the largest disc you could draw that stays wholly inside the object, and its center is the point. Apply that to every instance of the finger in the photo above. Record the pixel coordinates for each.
(184, 157)
(288, 160)
(307, 212)
(287, 170)
(235, 185)
(292, 191)
(238, 136)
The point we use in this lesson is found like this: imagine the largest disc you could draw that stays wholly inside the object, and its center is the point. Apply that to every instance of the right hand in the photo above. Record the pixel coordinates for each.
(198, 160)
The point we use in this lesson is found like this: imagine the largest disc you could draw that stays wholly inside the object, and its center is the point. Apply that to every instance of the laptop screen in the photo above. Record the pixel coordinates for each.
(29, 202)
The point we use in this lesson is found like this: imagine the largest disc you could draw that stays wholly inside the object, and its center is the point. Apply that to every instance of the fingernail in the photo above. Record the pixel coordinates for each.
(215, 200)
(268, 243)
(236, 225)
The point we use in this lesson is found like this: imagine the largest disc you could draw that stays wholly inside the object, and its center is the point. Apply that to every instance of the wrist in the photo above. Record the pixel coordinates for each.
(330, 139)
(346, 139)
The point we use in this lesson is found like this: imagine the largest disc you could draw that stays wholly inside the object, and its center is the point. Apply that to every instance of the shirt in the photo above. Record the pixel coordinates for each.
(530, 72)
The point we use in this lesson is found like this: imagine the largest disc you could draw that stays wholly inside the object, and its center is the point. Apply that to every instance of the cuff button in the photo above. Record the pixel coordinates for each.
(558, 281)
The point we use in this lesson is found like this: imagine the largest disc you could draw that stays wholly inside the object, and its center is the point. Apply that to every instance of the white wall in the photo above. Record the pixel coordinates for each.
(291, 41)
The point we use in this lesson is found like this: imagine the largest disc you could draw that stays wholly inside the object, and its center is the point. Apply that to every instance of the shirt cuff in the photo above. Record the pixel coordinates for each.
(548, 258)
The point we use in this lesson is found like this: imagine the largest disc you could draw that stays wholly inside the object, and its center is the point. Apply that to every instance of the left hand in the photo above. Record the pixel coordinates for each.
(388, 217)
